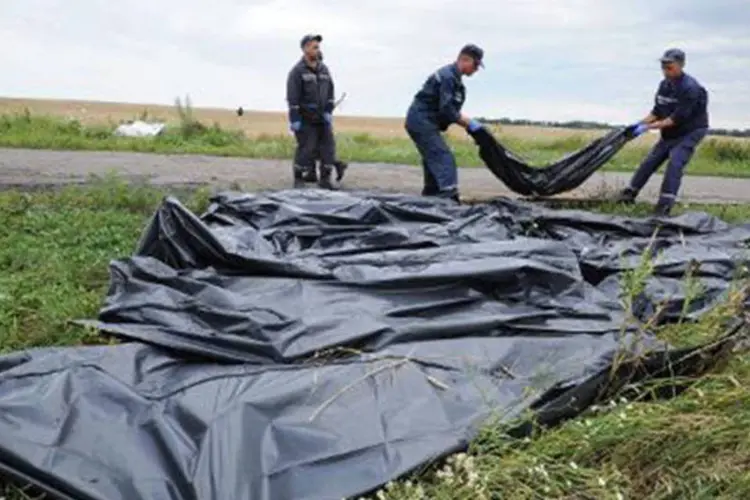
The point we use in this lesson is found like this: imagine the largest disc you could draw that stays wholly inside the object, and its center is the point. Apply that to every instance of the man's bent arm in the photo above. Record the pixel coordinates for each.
(686, 103)
(463, 120)
(660, 124)
(685, 106)
(293, 95)
(332, 100)
(448, 109)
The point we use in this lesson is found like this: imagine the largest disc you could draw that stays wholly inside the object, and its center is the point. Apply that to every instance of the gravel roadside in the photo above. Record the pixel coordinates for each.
(28, 169)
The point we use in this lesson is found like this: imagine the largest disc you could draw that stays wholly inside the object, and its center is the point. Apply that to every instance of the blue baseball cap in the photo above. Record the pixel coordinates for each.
(673, 56)
(310, 38)
(474, 52)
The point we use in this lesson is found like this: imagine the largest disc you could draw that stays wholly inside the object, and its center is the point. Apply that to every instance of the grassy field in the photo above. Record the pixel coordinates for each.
(88, 126)
(54, 252)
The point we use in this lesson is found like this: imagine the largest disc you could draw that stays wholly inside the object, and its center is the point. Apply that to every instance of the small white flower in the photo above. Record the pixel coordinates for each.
(446, 474)
(573, 465)
(602, 482)
(472, 478)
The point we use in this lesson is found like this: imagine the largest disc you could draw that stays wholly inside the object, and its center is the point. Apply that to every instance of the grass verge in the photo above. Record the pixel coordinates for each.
(54, 252)
(716, 157)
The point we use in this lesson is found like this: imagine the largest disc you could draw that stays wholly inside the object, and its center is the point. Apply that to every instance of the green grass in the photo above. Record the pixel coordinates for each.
(716, 157)
(54, 251)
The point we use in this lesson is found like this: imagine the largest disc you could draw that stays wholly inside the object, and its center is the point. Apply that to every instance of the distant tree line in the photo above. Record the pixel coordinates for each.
(588, 125)
(730, 132)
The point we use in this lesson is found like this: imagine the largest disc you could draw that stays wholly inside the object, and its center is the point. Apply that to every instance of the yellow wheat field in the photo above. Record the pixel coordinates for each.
(257, 123)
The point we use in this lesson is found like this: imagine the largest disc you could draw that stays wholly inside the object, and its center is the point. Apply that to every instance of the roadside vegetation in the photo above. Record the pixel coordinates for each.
(716, 157)
(55, 247)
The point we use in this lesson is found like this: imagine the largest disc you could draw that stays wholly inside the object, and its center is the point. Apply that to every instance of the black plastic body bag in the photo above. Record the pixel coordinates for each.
(315, 345)
(563, 175)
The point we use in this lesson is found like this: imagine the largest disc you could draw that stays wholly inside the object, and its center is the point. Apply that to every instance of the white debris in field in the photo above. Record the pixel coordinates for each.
(139, 128)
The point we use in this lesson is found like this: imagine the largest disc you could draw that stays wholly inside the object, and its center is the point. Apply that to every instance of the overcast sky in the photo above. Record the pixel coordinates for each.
(577, 59)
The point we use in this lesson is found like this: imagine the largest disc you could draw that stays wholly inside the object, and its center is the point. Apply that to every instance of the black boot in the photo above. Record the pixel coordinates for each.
(662, 210)
(627, 196)
(450, 194)
(310, 176)
(325, 177)
(340, 167)
(299, 173)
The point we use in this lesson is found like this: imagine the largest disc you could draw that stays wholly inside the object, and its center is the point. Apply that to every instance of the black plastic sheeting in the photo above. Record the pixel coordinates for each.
(316, 345)
(564, 175)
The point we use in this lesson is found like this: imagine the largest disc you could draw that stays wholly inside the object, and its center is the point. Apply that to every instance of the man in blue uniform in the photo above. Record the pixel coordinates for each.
(434, 108)
(680, 113)
(310, 95)
(338, 165)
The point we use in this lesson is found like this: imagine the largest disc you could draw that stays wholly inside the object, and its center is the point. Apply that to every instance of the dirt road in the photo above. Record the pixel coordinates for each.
(33, 168)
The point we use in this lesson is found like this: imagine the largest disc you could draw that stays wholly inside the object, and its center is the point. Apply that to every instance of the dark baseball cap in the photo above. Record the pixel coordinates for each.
(310, 38)
(474, 52)
(673, 56)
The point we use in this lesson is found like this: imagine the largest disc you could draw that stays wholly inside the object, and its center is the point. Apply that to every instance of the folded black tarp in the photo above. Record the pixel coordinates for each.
(564, 175)
(315, 345)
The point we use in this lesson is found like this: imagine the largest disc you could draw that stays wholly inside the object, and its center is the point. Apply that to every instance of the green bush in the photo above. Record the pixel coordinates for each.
(729, 151)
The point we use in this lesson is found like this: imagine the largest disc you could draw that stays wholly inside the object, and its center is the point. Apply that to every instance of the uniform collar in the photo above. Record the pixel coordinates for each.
(677, 81)
(303, 62)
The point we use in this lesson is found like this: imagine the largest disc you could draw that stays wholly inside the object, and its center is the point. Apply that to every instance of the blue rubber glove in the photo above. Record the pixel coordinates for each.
(473, 126)
(328, 117)
(295, 126)
(640, 129)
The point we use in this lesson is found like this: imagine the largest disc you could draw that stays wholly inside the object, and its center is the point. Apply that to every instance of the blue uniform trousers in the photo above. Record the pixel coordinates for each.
(678, 151)
(438, 163)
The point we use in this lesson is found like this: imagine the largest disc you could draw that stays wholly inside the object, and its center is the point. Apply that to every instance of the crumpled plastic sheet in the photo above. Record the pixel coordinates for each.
(140, 128)
(563, 175)
(316, 345)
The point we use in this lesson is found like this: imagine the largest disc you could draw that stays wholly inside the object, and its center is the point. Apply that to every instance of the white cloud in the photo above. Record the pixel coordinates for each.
(576, 59)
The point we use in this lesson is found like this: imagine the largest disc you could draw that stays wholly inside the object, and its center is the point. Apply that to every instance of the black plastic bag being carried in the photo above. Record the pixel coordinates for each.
(564, 175)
